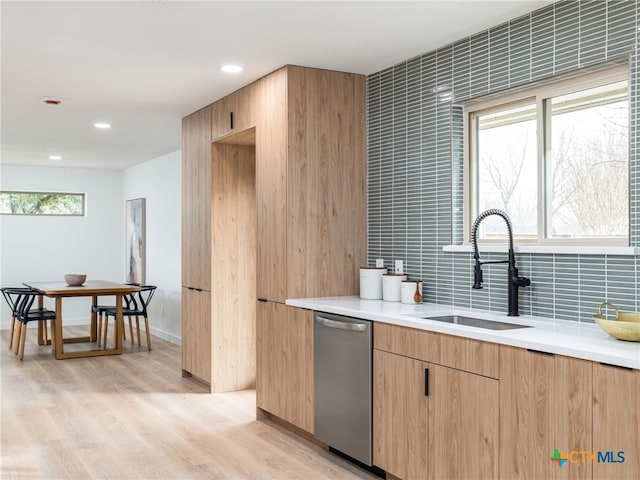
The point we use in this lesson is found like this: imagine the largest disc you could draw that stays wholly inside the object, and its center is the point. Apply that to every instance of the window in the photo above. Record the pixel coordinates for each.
(42, 203)
(556, 159)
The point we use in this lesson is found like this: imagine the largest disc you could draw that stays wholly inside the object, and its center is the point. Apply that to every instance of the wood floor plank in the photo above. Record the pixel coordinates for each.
(134, 416)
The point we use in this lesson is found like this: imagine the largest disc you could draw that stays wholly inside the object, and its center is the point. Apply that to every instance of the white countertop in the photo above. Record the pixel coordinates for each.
(573, 339)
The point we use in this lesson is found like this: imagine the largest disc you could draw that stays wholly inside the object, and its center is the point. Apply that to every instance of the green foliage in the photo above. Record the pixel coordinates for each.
(41, 203)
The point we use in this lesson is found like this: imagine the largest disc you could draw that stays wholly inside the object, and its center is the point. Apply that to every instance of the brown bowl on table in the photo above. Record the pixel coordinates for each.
(75, 279)
(626, 325)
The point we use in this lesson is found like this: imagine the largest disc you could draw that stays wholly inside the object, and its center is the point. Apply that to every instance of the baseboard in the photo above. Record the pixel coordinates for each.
(169, 337)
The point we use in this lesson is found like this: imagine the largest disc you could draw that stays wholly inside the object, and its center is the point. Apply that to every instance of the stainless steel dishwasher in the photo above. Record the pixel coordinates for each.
(342, 384)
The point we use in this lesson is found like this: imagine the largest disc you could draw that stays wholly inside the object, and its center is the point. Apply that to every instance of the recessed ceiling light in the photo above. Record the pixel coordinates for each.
(102, 125)
(231, 68)
(55, 157)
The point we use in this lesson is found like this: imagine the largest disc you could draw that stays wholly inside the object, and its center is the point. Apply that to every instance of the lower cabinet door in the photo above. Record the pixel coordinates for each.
(400, 415)
(463, 425)
(616, 423)
(526, 414)
(545, 405)
(284, 363)
(196, 333)
(433, 422)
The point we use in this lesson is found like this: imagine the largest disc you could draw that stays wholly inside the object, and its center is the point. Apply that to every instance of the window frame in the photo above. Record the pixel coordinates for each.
(80, 194)
(538, 94)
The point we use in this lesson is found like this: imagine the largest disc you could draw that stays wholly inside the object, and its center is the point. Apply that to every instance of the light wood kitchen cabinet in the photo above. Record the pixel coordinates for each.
(433, 422)
(434, 399)
(400, 415)
(271, 187)
(526, 423)
(284, 384)
(616, 421)
(233, 267)
(196, 200)
(463, 423)
(466, 354)
(311, 176)
(300, 135)
(233, 113)
(219, 334)
(196, 333)
(573, 412)
(545, 404)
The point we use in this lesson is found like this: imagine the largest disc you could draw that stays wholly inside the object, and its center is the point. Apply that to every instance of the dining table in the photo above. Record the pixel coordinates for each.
(94, 289)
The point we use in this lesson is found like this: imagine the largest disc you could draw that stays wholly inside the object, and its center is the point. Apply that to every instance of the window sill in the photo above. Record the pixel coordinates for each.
(549, 249)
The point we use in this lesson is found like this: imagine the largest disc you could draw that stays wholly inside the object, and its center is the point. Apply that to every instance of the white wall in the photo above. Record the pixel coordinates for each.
(42, 248)
(160, 182)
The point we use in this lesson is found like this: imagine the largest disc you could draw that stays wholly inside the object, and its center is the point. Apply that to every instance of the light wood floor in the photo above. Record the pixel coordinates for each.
(132, 416)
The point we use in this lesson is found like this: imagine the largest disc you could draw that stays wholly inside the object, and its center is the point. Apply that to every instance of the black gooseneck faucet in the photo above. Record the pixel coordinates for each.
(514, 280)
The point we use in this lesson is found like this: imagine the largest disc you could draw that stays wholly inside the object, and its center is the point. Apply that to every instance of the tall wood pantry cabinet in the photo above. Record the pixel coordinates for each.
(274, 207)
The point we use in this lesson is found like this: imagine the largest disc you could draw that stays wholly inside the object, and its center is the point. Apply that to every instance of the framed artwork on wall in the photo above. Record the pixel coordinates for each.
(135, 240)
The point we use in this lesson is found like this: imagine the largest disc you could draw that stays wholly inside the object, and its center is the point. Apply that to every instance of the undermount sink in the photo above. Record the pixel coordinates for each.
(477, 322)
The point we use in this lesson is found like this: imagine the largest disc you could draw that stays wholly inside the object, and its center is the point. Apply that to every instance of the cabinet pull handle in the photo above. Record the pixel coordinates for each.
(426, 382)
(615, 366)
(540, 352)
(262, 299)
(354, 327)
(231, 120)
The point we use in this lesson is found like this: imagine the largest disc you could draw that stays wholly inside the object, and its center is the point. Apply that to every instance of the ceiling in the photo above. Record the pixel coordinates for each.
(143, 65)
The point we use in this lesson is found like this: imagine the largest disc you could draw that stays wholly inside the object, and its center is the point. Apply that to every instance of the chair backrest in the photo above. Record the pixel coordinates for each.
(24, 312)
(13, 296)
(139, 301)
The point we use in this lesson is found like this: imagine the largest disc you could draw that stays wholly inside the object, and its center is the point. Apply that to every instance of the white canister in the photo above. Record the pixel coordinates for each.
(371, 283)
(391, 283)
(408, 292)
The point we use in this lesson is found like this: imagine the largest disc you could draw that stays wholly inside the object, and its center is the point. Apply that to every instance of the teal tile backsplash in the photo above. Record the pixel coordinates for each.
(415, 151)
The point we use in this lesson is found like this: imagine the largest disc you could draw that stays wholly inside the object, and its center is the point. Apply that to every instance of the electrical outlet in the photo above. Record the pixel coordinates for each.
(399, 266)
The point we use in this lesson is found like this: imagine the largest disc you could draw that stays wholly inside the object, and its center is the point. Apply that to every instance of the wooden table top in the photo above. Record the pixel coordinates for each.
(89, 288)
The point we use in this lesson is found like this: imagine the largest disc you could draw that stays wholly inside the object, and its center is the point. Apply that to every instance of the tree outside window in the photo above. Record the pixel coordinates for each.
(556, 161)
(42, 203)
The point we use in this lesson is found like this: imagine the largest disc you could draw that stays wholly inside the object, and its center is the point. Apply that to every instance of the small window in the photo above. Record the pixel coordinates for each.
(556, 159)
(42, 203)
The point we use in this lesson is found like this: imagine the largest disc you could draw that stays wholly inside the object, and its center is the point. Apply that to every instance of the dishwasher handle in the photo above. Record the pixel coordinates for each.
(355, 327)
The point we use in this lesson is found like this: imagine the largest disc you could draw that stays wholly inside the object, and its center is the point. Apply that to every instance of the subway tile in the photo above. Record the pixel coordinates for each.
(461, 69)
(593, 32)
(479, 64)
(567, 36)
(520, 50)
(499, 57)
(542, 42)
(415, 159)
(621, 27)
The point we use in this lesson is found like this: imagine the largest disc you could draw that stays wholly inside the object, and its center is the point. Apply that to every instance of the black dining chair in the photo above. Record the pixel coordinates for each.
(101, 319)
(13, 296)
(135, 305)
(26, 314)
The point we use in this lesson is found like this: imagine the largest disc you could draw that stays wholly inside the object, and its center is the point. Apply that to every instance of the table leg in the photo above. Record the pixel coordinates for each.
(94, 321)
(58, 330)
(119, 324)
(41, 329)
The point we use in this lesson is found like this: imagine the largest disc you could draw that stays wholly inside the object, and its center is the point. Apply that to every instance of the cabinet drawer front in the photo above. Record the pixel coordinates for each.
(465, 354)
(470, 355)
(408, 342)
